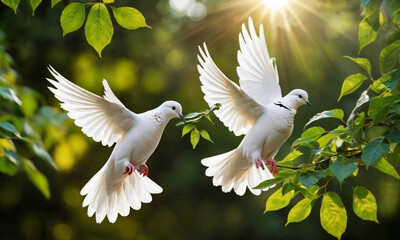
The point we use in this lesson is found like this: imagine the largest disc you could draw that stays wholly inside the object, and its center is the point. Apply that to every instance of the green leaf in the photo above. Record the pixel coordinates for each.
(54, 2)
(193, 115)
(364, 98)
(209, 118)
(37, 178)
(194, 137)
(9, 94)
(72, 17)
(8, 130)
(358, 123)
(393, 37)
(204, 134)
(9, 162)
(362, 62)
(389, 56)
(300, 211)
(367, 32)
(384, 166)
(351, 84)
(375, 150)
(129, 18)
(333, 215)
(309, 135)
(343, 168)
(13, 4)
(335, 113)
(378, 107)
(34, 5)
(282, 175)
(394, 136)
(41, 152)
(276, 201)
(364, 204)
(99, 29)
(288, 160)
(325, 139)
(187, 128)
(309, 179)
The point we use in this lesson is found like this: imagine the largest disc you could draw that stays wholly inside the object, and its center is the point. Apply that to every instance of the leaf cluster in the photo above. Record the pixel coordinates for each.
(98, 28)
(368, 139)
(26, 128)
(190, 126)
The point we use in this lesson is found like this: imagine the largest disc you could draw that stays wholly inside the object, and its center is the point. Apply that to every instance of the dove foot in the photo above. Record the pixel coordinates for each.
(143, 169)
(260, 163)
(272, 167)
(129, 169)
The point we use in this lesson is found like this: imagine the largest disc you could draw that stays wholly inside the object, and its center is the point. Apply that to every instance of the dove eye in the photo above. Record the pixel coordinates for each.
(300, 96)
(173, 108)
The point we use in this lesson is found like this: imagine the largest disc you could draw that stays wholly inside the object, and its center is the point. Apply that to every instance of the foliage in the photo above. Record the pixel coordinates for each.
(23, 136)
(367, 140)
(190, 125)
(99, 28)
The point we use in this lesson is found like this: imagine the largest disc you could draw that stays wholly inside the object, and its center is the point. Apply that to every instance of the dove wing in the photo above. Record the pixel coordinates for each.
(238, 110)
(258, 74)
(105, 119)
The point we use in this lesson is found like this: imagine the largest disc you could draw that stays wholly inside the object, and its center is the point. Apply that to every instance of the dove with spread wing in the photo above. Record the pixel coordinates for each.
(256, 109)
(123, 182)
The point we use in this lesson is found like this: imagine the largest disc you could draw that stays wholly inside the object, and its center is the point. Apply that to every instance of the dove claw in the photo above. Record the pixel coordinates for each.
(129, 169)
(260, 163)
(144, 170)
(272, 167)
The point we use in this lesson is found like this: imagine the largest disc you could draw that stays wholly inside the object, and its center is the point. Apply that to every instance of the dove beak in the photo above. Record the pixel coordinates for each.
(182, 117)
(308, 103)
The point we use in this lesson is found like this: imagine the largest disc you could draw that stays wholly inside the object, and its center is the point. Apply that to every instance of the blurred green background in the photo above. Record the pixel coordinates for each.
(148, 66)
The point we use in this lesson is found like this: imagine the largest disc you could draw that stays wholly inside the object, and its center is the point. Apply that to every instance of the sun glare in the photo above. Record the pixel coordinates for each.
(276, 4)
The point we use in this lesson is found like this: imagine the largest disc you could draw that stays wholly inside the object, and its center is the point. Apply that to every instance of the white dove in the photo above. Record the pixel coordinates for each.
(116, 187)
(256, 109)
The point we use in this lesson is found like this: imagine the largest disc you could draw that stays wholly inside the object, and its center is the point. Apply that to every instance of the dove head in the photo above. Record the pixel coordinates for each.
(297, 98)
(172, 109)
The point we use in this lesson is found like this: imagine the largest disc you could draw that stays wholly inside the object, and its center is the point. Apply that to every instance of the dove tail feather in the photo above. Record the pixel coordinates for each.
(231, 170)
(130, 192)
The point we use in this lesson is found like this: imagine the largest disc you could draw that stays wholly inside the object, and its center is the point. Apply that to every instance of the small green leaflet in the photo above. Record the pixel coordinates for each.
(54, 2)
(343, 168)
(8, 130)
(99, 29)
(13, 4)
(41, 152)
(9, 163)
(333, 215)
(194, 137)
(72, 17)
(129, 18)
(187, 128)
(362, 62)
(309, 179)
(276, 201)
(37, 178)
(351, 84)
(394, 136)
(384, 166)
(364, 204)
(204, 134)
(335, 113)
(378, 107)
(309, 135)
(34, 5)
(389, 56)
(282, 175)
(374, 150)
(300, 211)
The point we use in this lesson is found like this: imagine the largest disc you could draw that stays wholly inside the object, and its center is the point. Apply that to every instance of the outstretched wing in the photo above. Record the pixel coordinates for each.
(238, 111)
(258, 74)
(104, 119)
